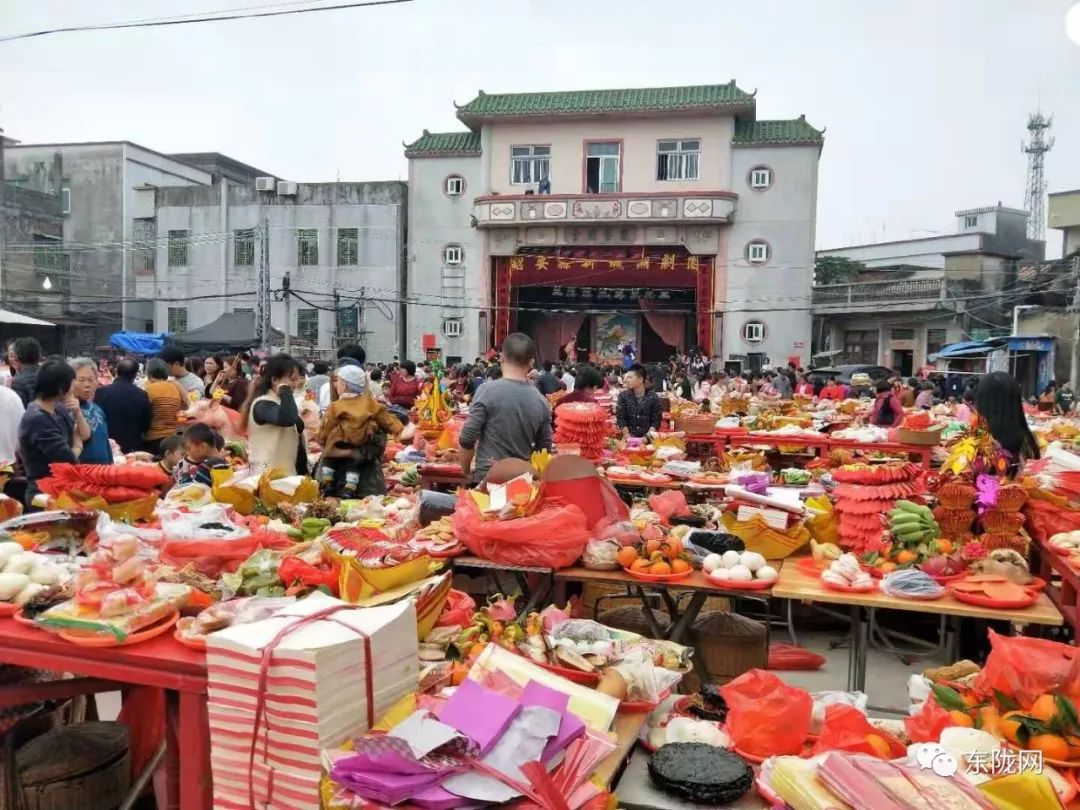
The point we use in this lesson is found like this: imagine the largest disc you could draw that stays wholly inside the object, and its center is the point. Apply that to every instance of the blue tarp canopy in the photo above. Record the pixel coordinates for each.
(969, 348)
(138, 342)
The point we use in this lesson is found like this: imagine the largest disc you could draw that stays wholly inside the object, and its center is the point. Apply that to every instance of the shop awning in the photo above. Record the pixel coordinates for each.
(7, 316)
(970, 348)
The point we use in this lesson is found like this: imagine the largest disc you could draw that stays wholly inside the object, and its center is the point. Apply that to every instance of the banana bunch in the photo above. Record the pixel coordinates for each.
(411, 477)
(913, 523)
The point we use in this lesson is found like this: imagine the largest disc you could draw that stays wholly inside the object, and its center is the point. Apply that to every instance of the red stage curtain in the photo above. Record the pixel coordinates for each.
(670, 326)
(554, 332)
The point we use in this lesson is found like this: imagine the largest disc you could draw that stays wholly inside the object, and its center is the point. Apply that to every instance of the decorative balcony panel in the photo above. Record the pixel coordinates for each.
(498, 211)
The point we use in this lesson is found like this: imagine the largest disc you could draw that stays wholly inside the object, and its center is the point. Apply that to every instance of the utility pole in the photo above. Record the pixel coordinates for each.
(1074, 366)
(262, 291)
(288, 311)
(337, 319)
(361, 318)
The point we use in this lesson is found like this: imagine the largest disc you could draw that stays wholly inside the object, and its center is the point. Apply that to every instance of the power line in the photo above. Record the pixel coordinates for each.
(152, 23)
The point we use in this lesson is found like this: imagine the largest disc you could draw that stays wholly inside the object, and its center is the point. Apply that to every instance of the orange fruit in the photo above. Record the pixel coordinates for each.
(990, 720)
(1074, 747)
(960, 718)
(660, 568)
(1009, 726)
(880, 745)
(651, 546)
(640, 565)
(1051, 745)
(674, 547)
(944, 546)
(905, 557)
(887, 567)
(1044, 708)
(626, 556)
(679, 566)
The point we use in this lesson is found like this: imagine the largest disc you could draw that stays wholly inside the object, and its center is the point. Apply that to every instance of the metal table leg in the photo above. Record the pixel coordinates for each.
(688, 617)
(856, 681)
(533, 597)
(650, 617)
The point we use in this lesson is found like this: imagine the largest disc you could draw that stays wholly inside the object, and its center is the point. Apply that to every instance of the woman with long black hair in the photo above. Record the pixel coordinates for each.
(272, 419)
(1001, 406)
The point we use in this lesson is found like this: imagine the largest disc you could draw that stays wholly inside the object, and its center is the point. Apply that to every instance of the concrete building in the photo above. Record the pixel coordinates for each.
(33, 263)
(992, 229)
(1063, 213)
(660, 218)
(342, 245)
(917, 296)
(98, 196)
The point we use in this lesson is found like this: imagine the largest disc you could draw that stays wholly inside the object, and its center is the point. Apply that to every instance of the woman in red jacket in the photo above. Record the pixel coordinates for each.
(405, 387)
(887, 412)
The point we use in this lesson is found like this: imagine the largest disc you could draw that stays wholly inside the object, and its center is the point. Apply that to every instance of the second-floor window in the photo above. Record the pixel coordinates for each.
(244, 247)
(348, 246)
(307, 246)
(971, 221)
(178, 244)
(602, 167)
(307, 325)
(678, 160)
(529, 164)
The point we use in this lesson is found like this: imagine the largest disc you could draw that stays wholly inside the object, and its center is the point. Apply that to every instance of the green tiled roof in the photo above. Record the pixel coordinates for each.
(790, 132)
(593, 102)
(438, 144)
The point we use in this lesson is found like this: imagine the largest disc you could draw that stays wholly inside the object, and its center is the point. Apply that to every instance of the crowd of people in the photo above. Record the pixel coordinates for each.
(58, 410)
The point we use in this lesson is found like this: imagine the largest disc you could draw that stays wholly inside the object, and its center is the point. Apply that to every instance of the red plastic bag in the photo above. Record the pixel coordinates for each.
(212, 556)
(458, 610)
(788, 656)
(927, 724)
(1045, 519)
(1024, 668)
(845, 728)
(553, 537)
(765, 715)
(667, 503)
(293, 570)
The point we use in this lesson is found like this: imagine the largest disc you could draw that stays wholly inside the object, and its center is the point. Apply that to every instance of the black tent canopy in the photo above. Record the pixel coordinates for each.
(232, 332)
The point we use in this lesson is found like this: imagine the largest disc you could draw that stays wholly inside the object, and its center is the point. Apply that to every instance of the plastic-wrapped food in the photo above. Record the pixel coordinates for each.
(121, 602)
(700, 773)
(911, 583)
(601, 555)
(236, 611)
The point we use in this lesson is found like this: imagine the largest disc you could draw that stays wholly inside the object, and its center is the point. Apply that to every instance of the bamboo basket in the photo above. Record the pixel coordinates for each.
(729, 645)
(80, 767)
(632, 619)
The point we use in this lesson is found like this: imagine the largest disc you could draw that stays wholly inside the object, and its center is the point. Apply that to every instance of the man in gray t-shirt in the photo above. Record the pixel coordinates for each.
(508, 417)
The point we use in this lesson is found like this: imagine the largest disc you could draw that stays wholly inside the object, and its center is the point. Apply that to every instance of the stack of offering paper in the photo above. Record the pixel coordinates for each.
(308, 678)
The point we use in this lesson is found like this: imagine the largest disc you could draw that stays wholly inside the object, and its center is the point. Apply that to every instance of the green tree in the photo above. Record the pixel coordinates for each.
(836, 269)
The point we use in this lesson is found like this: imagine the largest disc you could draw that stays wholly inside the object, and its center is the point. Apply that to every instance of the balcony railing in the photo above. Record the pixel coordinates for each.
(909, 292)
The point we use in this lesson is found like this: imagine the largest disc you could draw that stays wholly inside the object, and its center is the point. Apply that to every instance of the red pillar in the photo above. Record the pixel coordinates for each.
(704, 295)
(501, 316)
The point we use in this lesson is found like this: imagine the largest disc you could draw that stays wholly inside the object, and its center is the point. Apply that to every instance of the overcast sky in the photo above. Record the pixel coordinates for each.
(925, 101)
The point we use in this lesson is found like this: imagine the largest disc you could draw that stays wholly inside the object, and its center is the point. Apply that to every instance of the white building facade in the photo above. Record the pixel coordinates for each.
(341, 245)
(662, 218)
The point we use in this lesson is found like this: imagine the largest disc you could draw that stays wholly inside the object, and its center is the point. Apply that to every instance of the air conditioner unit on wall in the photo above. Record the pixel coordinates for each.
(265, 184)
(286, 188)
